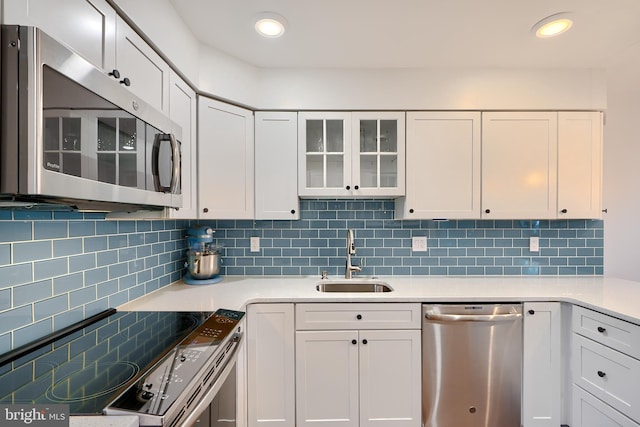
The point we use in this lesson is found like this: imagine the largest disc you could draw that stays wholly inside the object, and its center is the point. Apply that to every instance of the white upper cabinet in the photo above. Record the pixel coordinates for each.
(324, 154)
(541, 165)
(443, 166)
(343, 154)
(146, 71)
(276, 172)
(519, 165)
(87, 26)
(93, 29)
(182, 110)
(378, 153)
(225, 161)
(580, 164)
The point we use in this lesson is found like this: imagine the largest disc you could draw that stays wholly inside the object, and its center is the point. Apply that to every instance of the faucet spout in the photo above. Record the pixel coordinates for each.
(351, 250)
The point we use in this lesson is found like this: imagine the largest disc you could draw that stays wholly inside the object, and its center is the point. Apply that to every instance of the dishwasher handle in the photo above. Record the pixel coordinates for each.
(509, 317)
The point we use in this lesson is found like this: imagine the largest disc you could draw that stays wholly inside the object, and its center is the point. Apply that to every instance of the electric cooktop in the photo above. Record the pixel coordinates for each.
(86, 368)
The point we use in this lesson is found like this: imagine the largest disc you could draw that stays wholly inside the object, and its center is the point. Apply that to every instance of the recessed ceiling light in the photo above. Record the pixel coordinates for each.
(270, 25)
(552, 25)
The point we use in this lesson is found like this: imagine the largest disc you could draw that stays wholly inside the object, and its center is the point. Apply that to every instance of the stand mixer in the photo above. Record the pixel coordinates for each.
(203, 257)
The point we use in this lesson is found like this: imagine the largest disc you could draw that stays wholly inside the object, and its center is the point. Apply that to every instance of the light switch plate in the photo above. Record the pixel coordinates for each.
(419, 243)
(255, 244)
(534, 244)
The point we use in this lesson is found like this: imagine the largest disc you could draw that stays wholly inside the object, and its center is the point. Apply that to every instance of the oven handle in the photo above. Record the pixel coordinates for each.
(215, 388)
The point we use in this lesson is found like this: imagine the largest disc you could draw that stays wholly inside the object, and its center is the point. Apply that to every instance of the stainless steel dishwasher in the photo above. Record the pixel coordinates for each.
(471, 365)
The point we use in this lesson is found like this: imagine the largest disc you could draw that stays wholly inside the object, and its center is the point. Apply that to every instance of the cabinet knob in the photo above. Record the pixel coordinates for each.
(601, 329)
(125, 81)
(354, 342)
(602, 374)
(364, 341)
(115, 73)
(359, 317)
(348, 187)
(487, 211)
(532, 312)
(205, 210)
(410, 210)
(563, 211)
(293, 211)
(356, 187)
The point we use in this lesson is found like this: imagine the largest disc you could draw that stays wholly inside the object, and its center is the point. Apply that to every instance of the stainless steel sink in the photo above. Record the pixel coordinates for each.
(353, 285)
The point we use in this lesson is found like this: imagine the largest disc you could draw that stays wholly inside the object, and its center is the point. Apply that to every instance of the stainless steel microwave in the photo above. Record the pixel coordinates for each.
(72, 134)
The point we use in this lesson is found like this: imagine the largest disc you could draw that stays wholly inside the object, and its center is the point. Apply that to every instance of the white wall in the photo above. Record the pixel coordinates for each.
(431, 89)
(622, 174)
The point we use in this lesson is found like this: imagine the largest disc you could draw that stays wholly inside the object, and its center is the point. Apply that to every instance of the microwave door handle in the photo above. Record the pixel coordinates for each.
(174, 186)
(155, 163)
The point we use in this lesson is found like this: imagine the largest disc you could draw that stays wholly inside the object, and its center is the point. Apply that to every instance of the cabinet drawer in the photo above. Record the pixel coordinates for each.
(609, 375)
(357, 316)
(612, 332)
(591, 412)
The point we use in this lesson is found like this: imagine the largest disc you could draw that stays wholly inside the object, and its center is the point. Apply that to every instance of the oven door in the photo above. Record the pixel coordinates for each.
(218, 408)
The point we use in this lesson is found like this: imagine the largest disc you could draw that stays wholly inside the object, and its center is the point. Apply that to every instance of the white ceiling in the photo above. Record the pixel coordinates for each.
(419, 33)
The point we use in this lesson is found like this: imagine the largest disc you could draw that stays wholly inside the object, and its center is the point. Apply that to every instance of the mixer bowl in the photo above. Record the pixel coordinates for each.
(203, 265)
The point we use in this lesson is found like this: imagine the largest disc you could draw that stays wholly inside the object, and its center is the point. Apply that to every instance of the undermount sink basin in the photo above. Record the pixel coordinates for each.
(353, 285)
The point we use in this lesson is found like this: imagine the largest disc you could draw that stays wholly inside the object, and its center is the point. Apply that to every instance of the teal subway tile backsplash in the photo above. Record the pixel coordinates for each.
(317, 242)
(57, 268)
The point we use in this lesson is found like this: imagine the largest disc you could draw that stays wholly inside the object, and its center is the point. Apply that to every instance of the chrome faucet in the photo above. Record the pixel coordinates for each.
(351, 250)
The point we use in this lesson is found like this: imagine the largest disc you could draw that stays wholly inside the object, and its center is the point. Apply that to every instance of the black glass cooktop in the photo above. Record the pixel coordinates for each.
(85, 368)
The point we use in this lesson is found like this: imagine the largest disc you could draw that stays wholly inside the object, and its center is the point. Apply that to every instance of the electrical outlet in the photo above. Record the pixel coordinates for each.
(255, 244)
(419, 243)
(534, 244)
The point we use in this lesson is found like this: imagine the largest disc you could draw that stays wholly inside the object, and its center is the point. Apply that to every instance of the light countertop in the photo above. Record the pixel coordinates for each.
(617, 297)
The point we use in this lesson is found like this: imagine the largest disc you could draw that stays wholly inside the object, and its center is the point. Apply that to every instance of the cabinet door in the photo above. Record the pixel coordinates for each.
(182, 110)
(270, 365)
(390, 373)
(591, 412)
(324, 154)
(519, 165)
(541, 365)
(443, 166)
(225, 161)
(145, 69)
(327, 378)
(579, 164)
(276, 139)
(378, 161)
(87, 26)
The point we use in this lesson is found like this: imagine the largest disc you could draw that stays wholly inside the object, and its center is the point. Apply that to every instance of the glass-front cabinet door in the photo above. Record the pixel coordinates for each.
(343, 154)
(378, 153)
(324, 154)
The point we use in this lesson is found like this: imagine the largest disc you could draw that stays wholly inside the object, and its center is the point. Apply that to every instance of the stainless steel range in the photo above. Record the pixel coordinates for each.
(164, 367)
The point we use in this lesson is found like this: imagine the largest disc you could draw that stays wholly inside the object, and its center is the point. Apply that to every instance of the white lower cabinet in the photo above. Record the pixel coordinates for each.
(270, 365)
(606, 370)
(541, 379)
(589, 411)
(357, 376)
